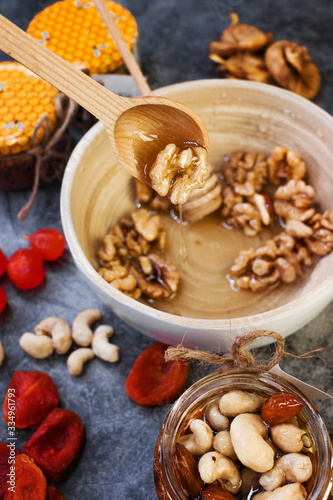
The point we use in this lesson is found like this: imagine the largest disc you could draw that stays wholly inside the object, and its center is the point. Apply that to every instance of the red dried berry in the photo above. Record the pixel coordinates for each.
(49, 244)
(56, 445)
(280, 407)
(25, 269)
(3, 299)
(154, 382)
(8, 453)
(53, 494)
(32, 394)
(3, 263)
(29, 482)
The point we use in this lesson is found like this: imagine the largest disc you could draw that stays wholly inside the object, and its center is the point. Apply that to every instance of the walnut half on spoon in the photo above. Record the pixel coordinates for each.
(138, 128)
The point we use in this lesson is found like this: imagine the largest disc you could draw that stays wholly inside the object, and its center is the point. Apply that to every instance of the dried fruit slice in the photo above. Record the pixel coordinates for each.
(33, 395)
(7, 458)
(56, 445)
(29, 482)
(153, 381)
(53, 494)
(280, 407)
(214, 492)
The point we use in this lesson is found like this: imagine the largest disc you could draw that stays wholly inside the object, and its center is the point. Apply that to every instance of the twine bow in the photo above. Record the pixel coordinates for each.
(239, 355)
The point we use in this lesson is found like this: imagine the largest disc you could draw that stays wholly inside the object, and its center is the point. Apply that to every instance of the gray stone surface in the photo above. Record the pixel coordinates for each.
(117, 459)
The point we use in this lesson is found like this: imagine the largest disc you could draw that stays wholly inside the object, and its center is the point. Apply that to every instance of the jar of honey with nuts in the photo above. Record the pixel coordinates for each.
(246, 435)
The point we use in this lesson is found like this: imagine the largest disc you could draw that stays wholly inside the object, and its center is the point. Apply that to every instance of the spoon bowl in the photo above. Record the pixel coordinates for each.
(138, 127)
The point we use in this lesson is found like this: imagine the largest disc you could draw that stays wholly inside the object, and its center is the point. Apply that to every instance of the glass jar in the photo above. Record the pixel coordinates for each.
(195, 399)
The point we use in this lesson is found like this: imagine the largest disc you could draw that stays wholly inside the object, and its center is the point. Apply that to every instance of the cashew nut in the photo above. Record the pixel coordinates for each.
(59, 330)
(250, 480)
(2, 353)
(222, 443)
(77, 358)
(293, 491)
(287, 437)
(213, 466)
(38, 346)
(201, 439)
(290, 468)
(218, 421)
(101, 347)
(81, 331)
(233, 403)
(247, 435)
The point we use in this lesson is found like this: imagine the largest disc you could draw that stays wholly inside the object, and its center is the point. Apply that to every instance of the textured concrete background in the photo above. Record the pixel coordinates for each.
(117, 460)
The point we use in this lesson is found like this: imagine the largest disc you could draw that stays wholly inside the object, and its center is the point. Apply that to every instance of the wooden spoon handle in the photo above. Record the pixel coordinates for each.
(92, 96)
(123, 48)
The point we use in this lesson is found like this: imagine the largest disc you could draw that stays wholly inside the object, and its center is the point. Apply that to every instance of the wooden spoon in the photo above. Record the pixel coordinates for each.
(138, 128)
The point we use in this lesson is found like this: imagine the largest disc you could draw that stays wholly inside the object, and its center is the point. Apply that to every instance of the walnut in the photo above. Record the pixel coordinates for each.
(279, 260)
(146, 225)
(128, 286)
(321, 240)
(241, 169)
(145, 195)
(298, 229)
(294, 201)
(125, 262)
(243, 66)
(239, 37)
(245, 217)
(177, 173)
(292, 67)
(157, 278)
(284, 164)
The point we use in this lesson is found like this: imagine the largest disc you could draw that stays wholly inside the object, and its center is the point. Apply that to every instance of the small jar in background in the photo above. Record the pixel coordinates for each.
(33, 128)
(74, 30)
(199, 395)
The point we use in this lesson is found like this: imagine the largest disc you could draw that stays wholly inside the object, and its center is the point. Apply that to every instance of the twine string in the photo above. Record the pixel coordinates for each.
(239, 355)
(43, 151)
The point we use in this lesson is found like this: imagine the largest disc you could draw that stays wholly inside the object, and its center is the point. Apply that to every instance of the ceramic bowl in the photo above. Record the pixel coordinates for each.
(239, 115)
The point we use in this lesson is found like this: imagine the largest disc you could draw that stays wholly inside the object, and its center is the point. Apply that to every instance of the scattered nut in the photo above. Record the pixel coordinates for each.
(215, 467)
(37, 346)
(77, 359)
(233, 403)
(200, 440)
(59, 330)
(81, 331)
(247, 435)
(101, 347)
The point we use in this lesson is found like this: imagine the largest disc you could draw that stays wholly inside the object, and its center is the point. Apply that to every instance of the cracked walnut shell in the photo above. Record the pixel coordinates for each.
(293, 68)
(177, 173)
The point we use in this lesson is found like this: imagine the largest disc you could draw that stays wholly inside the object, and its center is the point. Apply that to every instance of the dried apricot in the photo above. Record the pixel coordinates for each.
(56, 445)
(29, 482)
(31, 395)
(152, 381)
(8, 453)
(53, 494)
